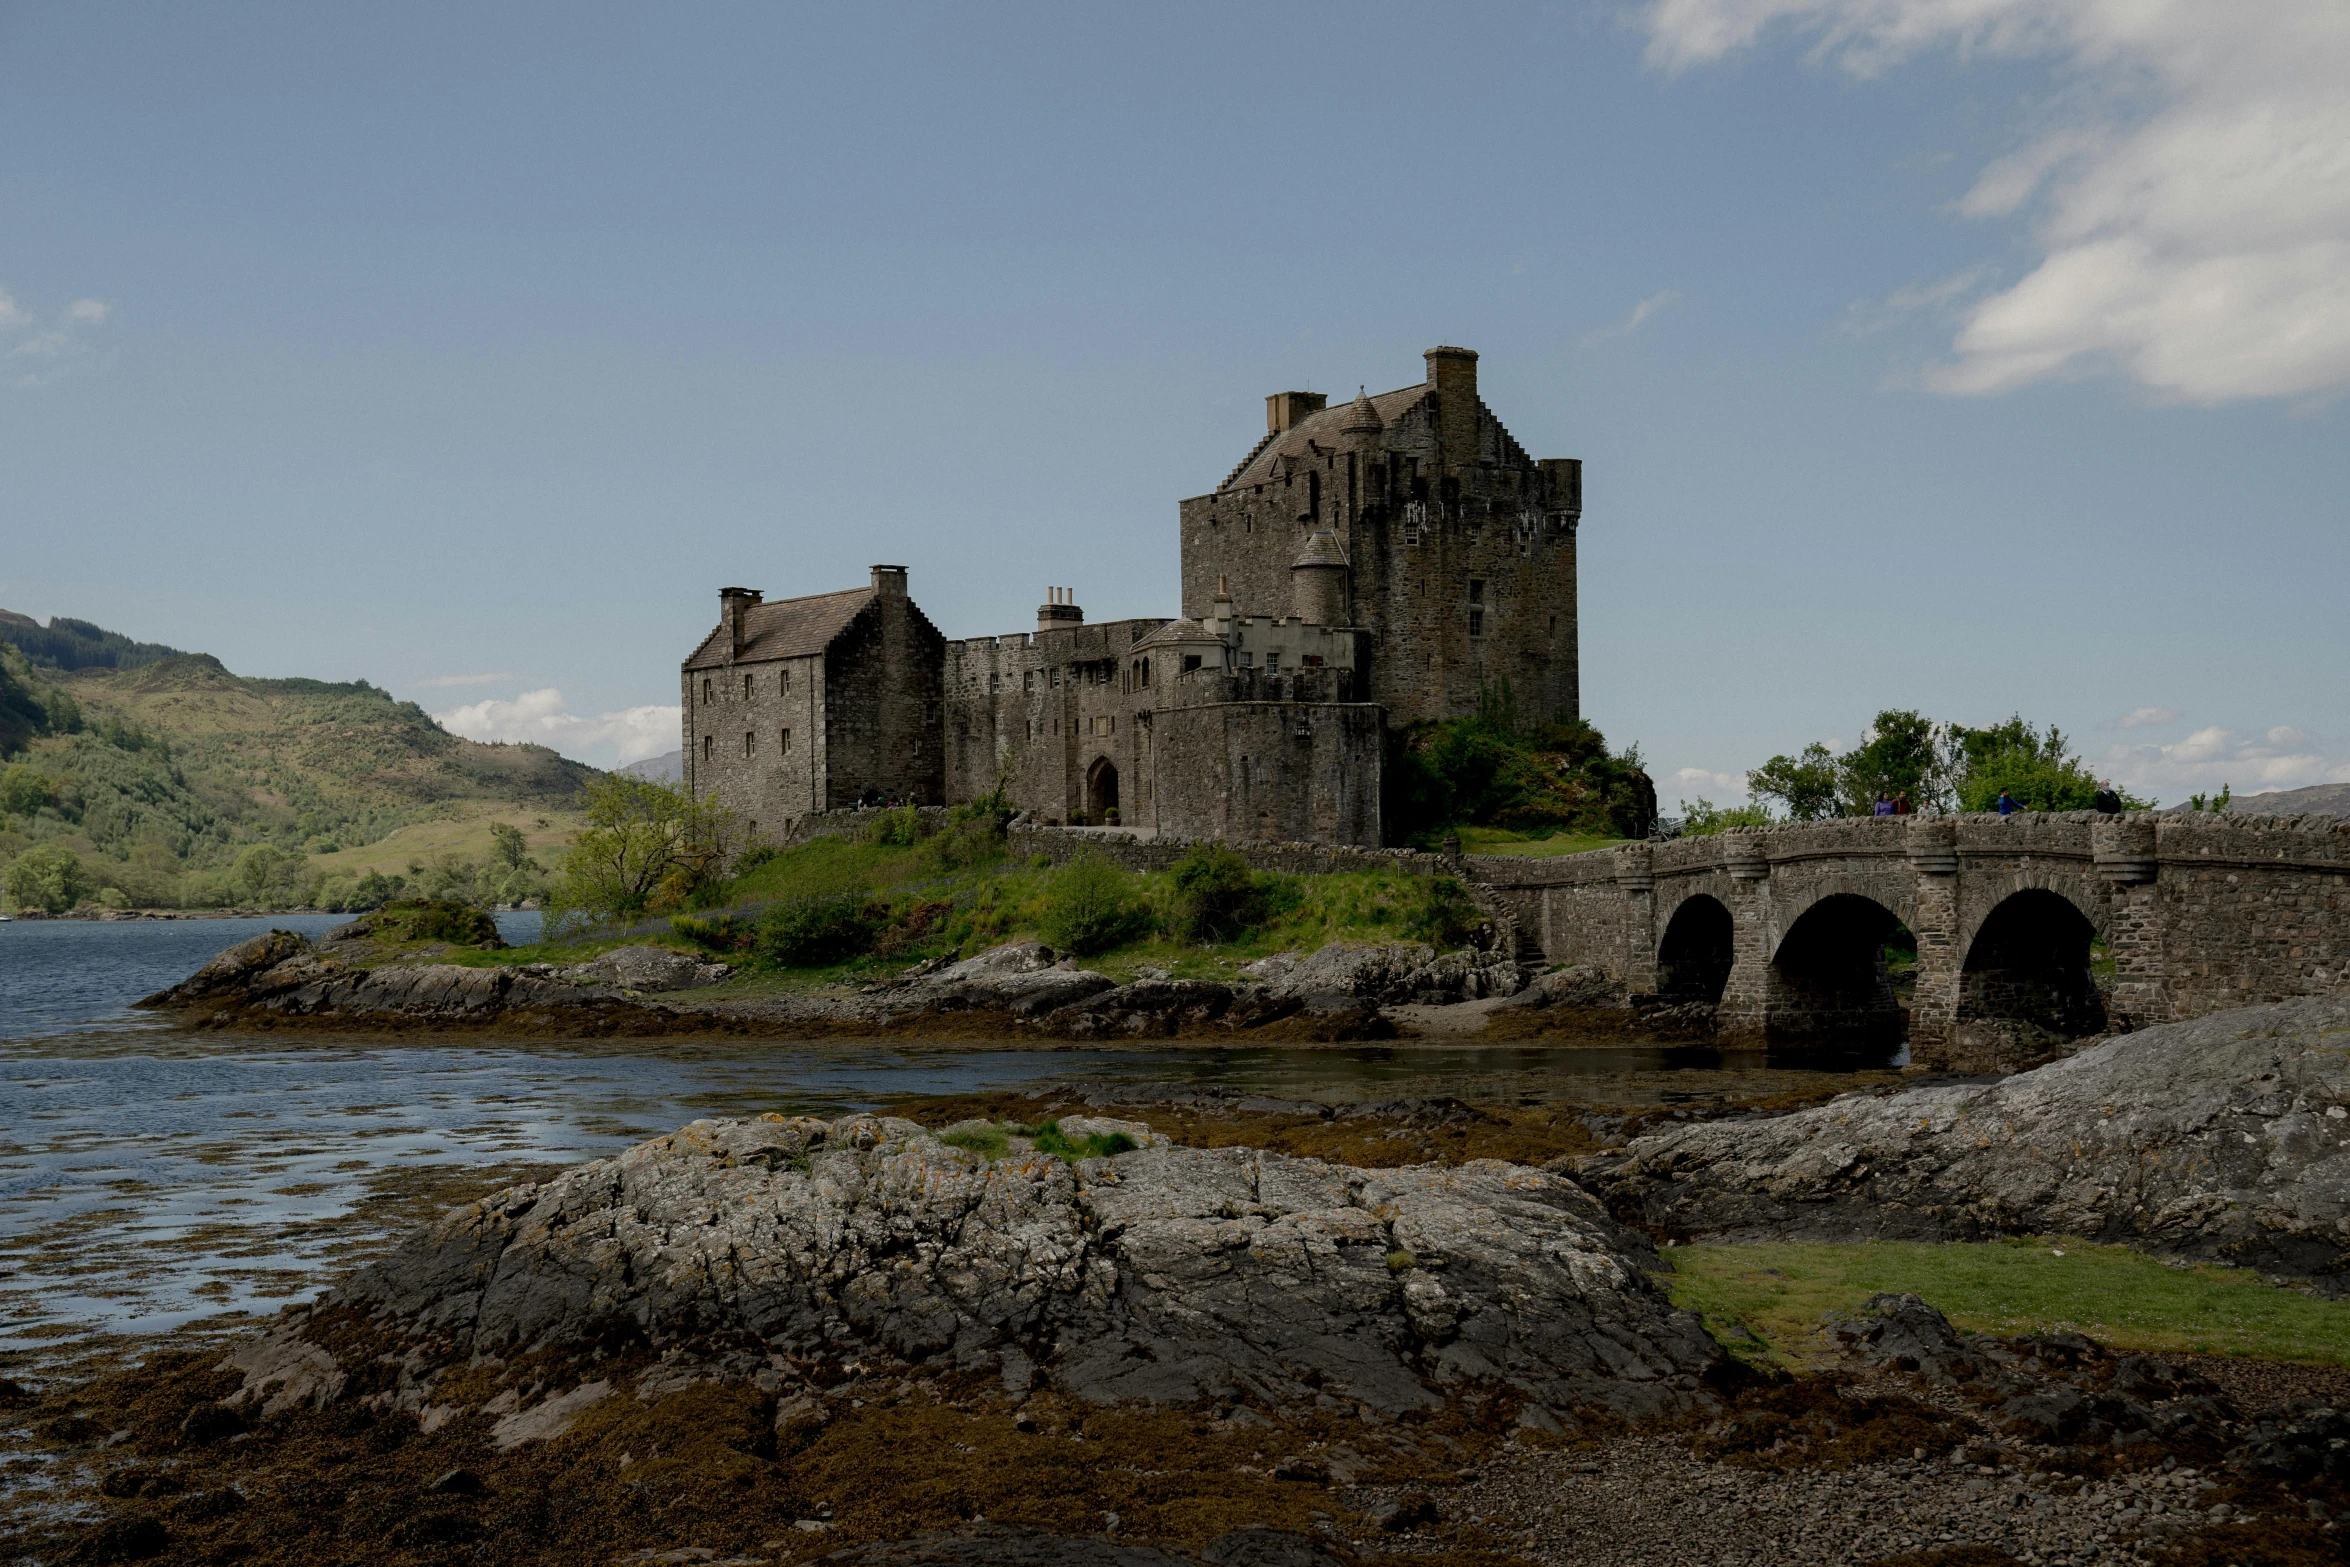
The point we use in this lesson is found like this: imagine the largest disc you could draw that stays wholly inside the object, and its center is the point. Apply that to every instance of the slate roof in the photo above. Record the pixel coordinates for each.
(1179, 633)
(787, 628)
(1326, 428)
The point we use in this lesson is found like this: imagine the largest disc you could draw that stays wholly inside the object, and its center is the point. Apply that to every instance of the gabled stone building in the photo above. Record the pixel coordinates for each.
(1363, 568)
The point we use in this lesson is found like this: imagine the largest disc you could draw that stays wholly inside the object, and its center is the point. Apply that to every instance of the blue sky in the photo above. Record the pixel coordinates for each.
(1971, 355)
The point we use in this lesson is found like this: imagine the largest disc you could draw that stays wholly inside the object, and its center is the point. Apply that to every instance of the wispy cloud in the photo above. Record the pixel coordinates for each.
(1865, 317)
(542, 718)
(2142, 718)
(438, 682)
(1699, 782)
(1640, 312)
(2189, 197)
(38, 353)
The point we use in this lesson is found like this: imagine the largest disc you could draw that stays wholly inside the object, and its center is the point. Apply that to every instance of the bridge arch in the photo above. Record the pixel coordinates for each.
(1827, 978)
(1694, 959)
(2027, 973)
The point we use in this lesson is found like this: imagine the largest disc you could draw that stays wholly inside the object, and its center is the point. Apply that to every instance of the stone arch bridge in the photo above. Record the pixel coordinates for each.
(2031, 930)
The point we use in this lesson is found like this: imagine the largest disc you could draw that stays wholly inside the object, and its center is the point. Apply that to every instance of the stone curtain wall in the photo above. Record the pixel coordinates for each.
(1041, 711)
(1268, 772)
(2198, 913)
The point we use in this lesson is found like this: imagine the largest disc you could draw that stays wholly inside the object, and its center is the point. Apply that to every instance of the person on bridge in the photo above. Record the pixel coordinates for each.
(1884, 806)
(2007, 804)
(2106, 801)
(1901, 805)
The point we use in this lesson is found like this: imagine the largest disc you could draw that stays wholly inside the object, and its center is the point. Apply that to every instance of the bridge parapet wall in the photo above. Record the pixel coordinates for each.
(2198, 913)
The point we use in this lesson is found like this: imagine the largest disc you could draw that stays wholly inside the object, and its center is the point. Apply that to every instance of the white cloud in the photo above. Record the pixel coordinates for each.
(47, 347)
(1640, 312)
(438, 682)
(2279, 758)
(1721, 788)
(2190, 195)
(540, 717)
(1938, 298)
(2141, 717)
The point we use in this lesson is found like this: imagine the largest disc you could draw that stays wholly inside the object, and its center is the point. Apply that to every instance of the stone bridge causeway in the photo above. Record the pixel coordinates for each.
(2031, 930)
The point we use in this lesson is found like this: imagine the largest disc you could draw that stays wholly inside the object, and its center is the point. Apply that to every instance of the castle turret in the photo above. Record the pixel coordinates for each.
(1317, 581)
(1363, 425)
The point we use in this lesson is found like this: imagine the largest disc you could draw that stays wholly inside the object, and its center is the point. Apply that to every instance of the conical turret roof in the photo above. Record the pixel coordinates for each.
(1362, 418)
(1322, 549)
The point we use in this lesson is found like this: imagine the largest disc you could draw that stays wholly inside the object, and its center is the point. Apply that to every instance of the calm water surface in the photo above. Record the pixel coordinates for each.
(155, 1179)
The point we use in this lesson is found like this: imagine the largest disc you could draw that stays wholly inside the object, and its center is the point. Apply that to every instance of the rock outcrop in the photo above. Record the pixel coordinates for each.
(1163, 1273)
(2224, 1139)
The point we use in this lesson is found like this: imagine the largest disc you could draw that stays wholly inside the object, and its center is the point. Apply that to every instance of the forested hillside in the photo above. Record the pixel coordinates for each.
(158, 770)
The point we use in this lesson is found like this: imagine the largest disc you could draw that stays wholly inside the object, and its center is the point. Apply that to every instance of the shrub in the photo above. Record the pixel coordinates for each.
(436, 919)
(900, 828)
(48, 877)
(1443, 915)
(1217, 896)
(810, 932)
(1706, 817)
(726, 933)
(1090, 907)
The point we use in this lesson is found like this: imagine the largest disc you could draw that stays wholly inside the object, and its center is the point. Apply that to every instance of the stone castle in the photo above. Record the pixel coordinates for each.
(1364, 568)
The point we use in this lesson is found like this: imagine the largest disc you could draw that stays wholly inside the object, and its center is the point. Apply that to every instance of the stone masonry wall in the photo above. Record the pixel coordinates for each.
(883, 707)
(1268, 772)
(754, 740)
(1043, 712)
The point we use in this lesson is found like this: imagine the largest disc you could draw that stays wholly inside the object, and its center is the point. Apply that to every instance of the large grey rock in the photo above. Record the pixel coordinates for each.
(1165, 1273)
(2226, 1138)
(1393, 973)
(649, 968)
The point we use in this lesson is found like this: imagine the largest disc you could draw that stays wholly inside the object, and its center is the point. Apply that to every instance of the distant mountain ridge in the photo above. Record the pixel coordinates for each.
(2316, 800)
(668, 767)
(111, 745)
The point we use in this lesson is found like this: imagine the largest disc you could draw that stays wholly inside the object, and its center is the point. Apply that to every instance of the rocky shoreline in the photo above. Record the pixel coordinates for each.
(1023, 989)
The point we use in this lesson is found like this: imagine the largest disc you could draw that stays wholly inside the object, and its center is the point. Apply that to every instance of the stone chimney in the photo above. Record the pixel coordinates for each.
(890, 581)
(1059, 609)
(1287, 410)
(1452, 374)
(734, 607)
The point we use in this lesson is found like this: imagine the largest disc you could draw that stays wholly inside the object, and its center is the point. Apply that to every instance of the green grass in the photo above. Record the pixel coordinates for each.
(1102, 1145)
(1779, 1293)
(989, 1142)
(1537, 844)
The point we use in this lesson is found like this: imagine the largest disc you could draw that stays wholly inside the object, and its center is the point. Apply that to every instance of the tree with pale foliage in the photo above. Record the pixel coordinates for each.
(646, 846)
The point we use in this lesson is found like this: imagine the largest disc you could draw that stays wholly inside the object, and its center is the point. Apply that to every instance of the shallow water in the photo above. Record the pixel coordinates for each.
(160, 1180)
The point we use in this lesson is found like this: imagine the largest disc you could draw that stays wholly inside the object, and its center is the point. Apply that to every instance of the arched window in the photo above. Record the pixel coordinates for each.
(746, 687)
(709, 748)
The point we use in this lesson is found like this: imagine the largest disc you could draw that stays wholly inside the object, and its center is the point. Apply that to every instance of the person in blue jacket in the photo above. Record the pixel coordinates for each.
(2007, 805)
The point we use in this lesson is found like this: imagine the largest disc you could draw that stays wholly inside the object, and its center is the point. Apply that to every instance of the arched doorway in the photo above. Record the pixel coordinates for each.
(2028, 969)
(1101, 790)
(1829, 983)
(1693, 962)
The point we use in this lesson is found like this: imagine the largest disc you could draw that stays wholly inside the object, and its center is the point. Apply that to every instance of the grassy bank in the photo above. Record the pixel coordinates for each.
(1776, 1295)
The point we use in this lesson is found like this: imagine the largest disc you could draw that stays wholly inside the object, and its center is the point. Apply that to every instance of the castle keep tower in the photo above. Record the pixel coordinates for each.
(1454, 551)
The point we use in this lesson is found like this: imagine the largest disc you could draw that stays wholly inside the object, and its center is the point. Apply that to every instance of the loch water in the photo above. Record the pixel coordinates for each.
(158, 1180)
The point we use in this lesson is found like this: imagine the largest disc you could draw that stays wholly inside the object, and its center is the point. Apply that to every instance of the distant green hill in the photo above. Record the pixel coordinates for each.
(156, 766)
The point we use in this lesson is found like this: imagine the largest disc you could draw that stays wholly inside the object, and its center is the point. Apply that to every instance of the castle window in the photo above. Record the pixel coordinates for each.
(1027, 679)
(783, 678)
(746, 688)
(1476, 590)
(1190, 662)
(1554, 625)
(707, 698)
(1272, 663)
(1055, 677)
(709, 748)
(1476, 622)
(994, 684)
(1248, 661)
(750, 742)
(1103, 723)
(783, 743)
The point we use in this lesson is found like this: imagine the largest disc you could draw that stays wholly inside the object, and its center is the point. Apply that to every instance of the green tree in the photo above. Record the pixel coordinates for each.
(257, 871)
(24, 790)
(2037, 767)
(1217, 896)
(1808, 784)
(1902, 755)
(49, 877)
(645, 843)
(512, 850)
(1705, 817)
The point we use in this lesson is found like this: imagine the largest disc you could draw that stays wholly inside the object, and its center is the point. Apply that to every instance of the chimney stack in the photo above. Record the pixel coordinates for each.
(1452, 375)
(1287, 410)
(734, 607)
(1059, 609)
(890, 581)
